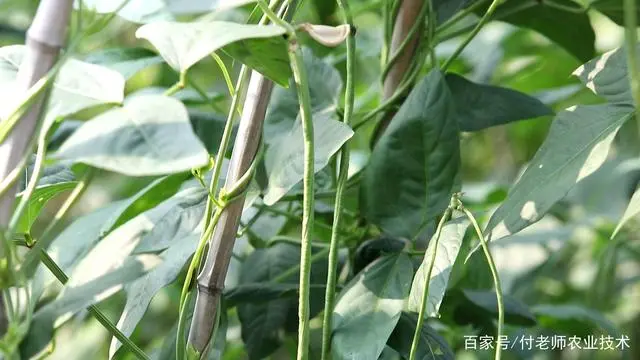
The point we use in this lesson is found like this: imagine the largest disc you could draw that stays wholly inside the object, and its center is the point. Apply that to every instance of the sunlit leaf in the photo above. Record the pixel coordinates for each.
(577, 144)
(445, 256)
(126, 61)
(150, 135)
(369, 308)
(607, 76)
(38, 200)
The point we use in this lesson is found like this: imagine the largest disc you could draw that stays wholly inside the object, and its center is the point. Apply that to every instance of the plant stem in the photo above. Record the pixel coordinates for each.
(460, 15)
(425, 293)
(302, 87)
(494, 274)
(341, 186)
(93, 310)
(631, 37)
(225, 73)
(485, 18)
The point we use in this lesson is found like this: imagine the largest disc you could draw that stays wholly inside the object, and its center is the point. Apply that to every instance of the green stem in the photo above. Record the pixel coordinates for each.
(225, 73)
(485, 18)
(343, 173)
(93, 310)
(571, 9)
(425, 293)
(431, 33)
(302, 86)
(494, 274)
(631, 37)
(178, 85)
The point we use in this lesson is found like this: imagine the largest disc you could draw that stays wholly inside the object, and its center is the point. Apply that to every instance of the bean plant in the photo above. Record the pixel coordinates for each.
(319, 179)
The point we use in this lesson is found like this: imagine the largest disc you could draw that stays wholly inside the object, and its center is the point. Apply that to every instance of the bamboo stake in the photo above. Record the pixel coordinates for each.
(45, 38)
(409, 13)
(214, 271)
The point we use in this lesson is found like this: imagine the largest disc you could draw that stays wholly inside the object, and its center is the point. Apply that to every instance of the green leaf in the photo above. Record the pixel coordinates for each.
(325, 86)
(576, 146)
(613, 9)
(445, 9)
(79, 85)
(259, 292)
(515, 312)
(141, 291)
(263, 323)
(369, 308)
(77, 295)
(150, 135)
(146, 11)
(143, 200)
(632, 210)
(412, 170)
(267, 56)
(40, 197)
(430, 346)
(445, 256)
(481, 106)
(607, 76)
(184, 44)
(573, 319)
(126, 61)
(570, 29)
(284, 158)
(372, 249)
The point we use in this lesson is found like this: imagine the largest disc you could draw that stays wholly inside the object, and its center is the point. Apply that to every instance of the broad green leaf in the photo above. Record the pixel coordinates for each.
(143, 200)
(571, 29)
(632, 210)
(267, 56)
(577, 144)
(259, 292)
(146, 11)
(325, 86)
(76, 296)
(369, 308)
(141, 291)
(613, 9)
(126, 61)
(412, 170)
(284, 158)
(183, 219)
(263, 323)
(573, 319)
(40, 197)
(515, 312)
(481, 106)
(150, 135)
(58, 172)
(445, 9)
(431, 345)
(607, 76)
(445, 256)
(184, 44)
(79, 85)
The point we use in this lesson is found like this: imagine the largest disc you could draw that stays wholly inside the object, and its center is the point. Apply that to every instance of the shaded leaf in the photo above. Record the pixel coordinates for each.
(430, 346)
(481, 106)
(369, 308)
(571, 30)
(126, 61)
(445, 256)
(632, 210)
(325, 86)
(372, 249)
(607, 76)
(412, 170)
(577, 145)
(572, 319)
(515, 311)
(445, 9)
(613, 9)
(284, 159)
(150, 135)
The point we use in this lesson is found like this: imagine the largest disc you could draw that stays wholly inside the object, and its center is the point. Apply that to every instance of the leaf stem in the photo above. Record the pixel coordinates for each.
(494, 274)
(425, 293)
(343, 173)
(631, 41)
(302, 86)
(93, 310)
(485, 18)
